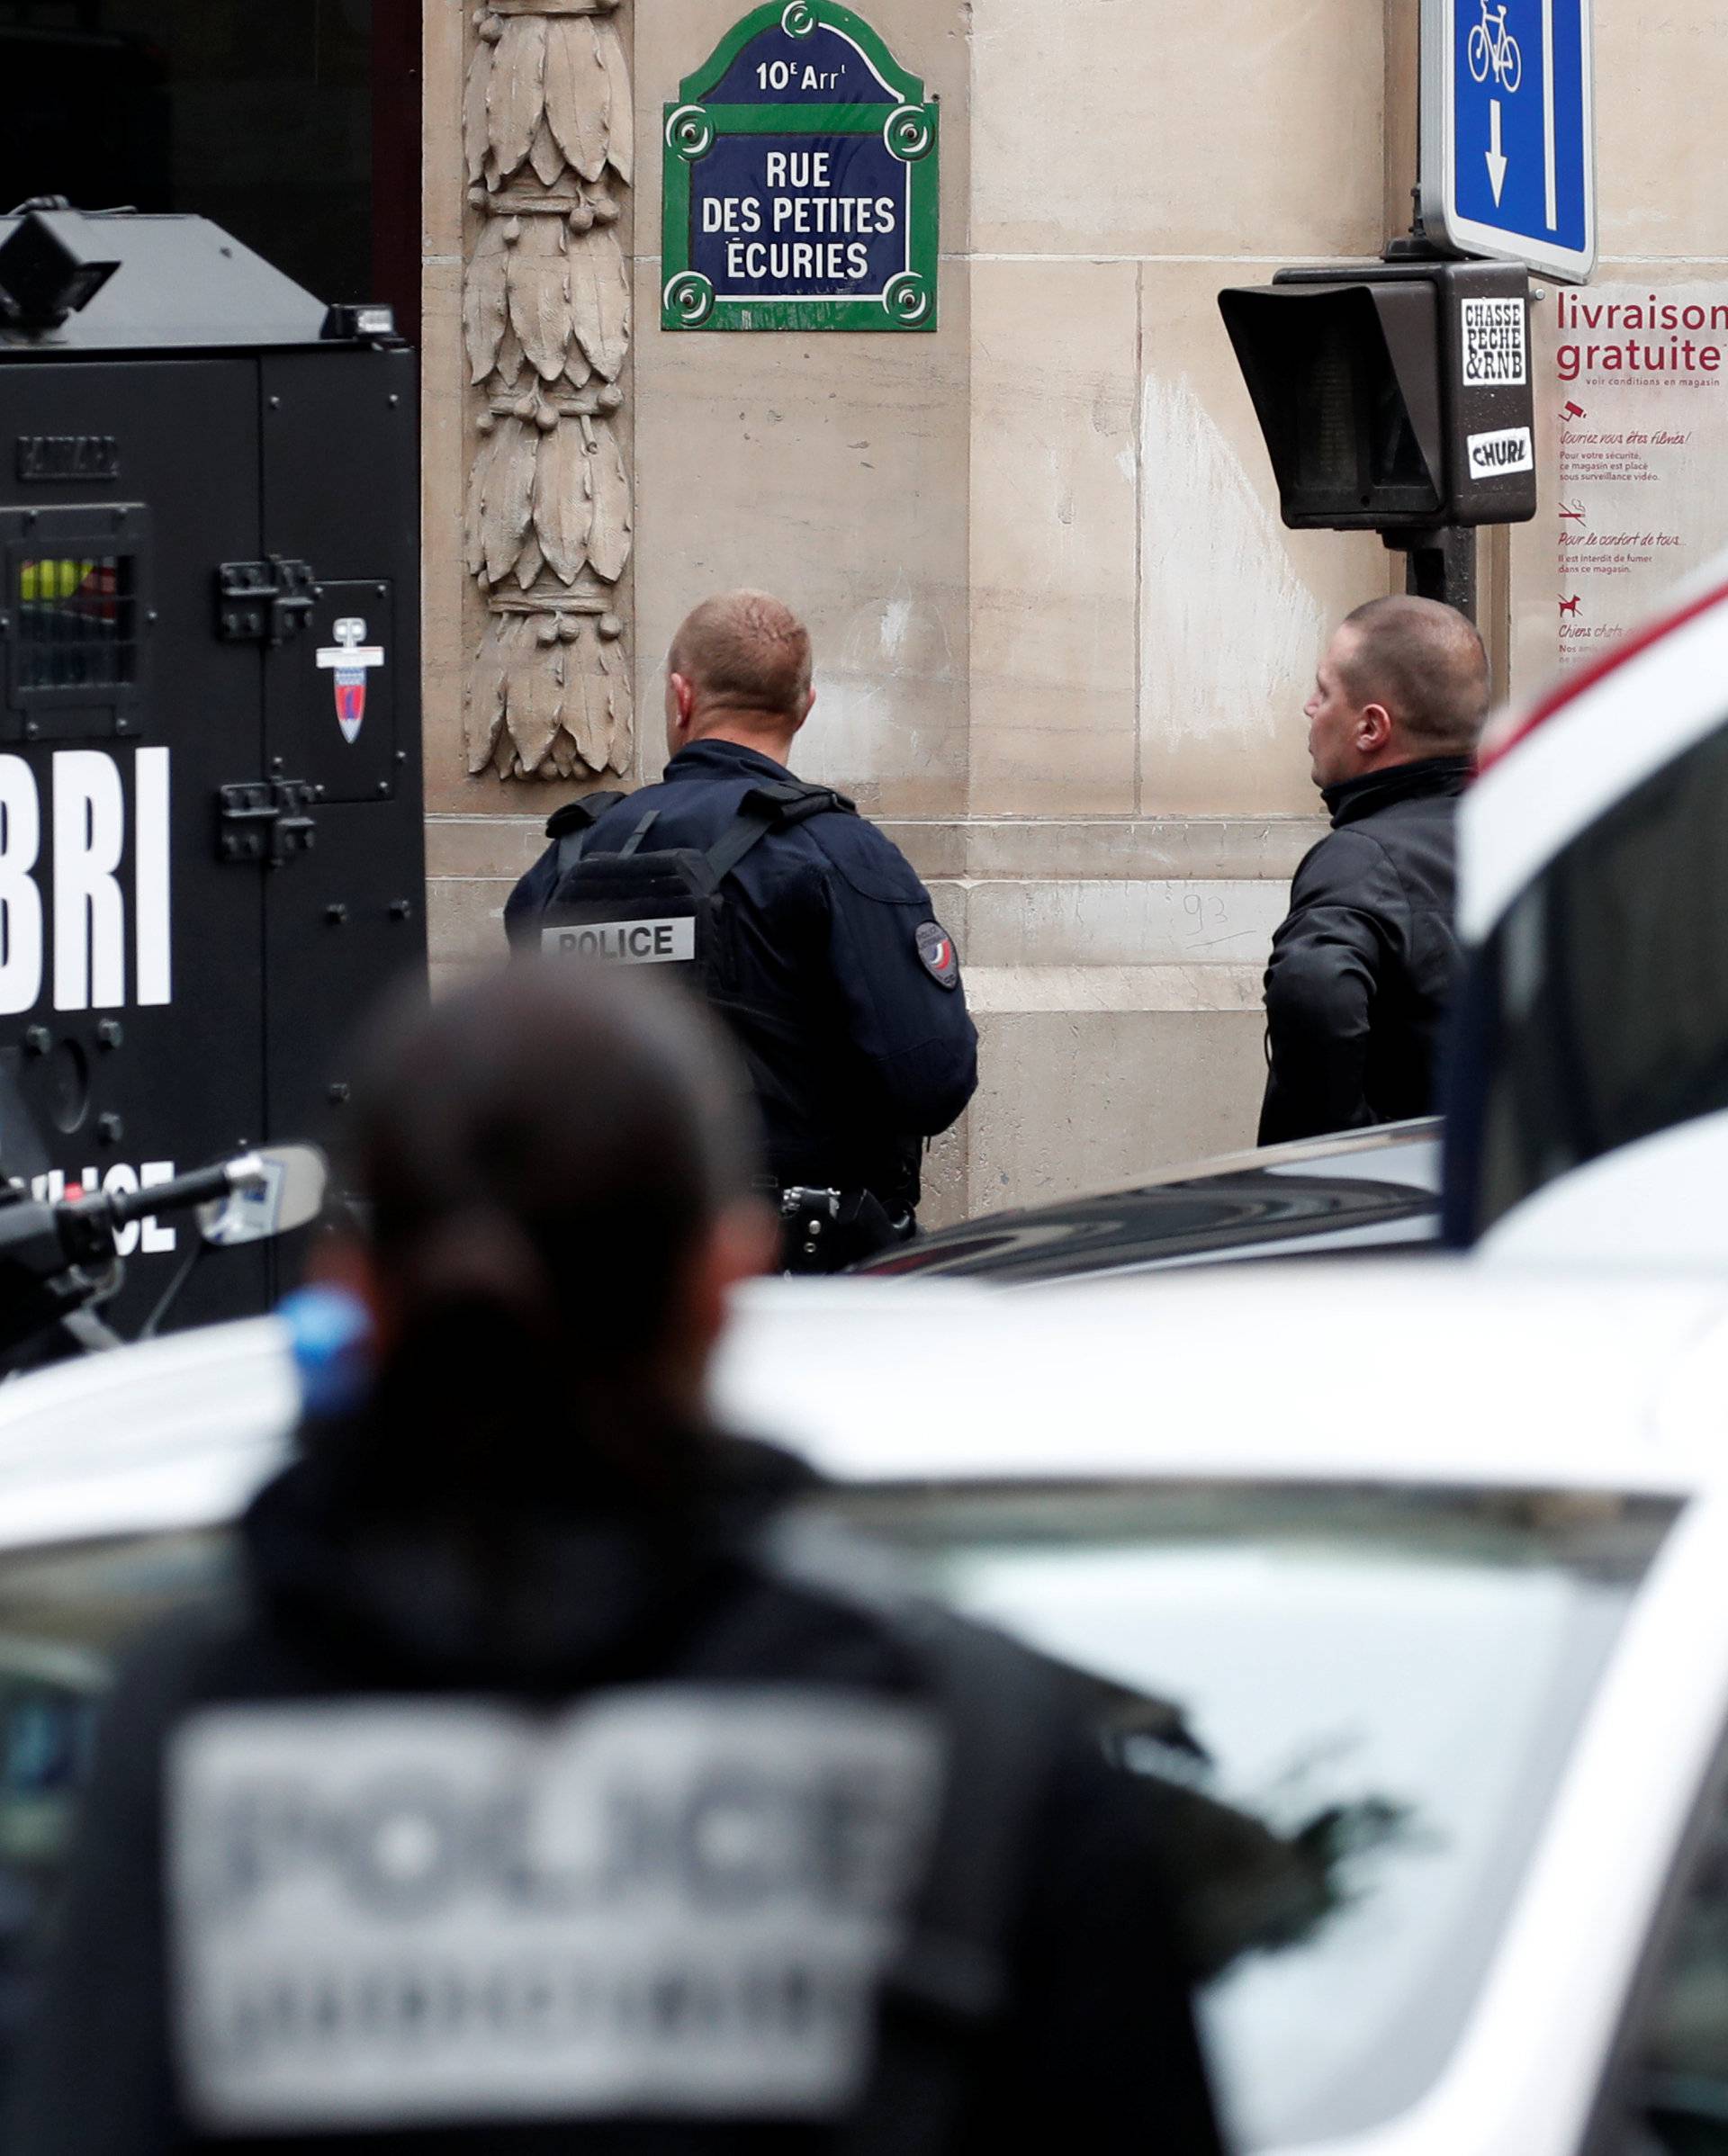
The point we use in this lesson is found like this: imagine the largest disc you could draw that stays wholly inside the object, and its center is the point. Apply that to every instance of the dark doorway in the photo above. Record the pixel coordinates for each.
(294, 124)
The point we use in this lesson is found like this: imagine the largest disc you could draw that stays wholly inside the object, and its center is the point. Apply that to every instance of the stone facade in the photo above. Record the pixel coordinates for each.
(1063, 639)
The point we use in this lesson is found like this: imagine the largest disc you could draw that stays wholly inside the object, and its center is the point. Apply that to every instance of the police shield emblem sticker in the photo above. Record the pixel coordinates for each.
(350, 659)
(936, 949)
(667, 1902)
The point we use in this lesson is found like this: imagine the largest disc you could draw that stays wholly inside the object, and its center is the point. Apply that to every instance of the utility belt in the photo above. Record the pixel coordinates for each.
(824, 1230)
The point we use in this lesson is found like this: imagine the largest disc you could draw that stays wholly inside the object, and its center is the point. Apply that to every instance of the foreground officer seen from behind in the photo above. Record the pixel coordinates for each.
(553, 1778)
(798, 921)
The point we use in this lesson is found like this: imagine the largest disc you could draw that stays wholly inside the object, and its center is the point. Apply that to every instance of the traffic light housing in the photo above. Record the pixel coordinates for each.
(1395, 399)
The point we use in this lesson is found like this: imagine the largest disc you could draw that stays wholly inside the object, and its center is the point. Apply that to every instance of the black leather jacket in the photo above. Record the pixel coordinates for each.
(1367, 959)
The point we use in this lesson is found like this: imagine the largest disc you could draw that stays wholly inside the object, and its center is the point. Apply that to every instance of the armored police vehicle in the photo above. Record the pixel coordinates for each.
(211, 851)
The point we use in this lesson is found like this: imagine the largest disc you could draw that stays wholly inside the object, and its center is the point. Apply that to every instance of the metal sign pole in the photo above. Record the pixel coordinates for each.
(1398, 396)
(1441, 565)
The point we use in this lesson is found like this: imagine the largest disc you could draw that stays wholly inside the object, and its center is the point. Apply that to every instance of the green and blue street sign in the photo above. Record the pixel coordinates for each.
(801, 181)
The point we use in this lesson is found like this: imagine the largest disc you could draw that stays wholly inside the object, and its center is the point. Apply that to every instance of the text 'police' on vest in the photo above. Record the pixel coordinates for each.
(673, 1900)
(626, 942)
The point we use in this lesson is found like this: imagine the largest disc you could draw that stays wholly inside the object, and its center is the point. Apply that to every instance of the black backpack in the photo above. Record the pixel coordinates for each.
(642, 906)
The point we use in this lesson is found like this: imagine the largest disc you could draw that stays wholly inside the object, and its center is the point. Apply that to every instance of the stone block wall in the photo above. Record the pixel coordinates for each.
(1063, 639)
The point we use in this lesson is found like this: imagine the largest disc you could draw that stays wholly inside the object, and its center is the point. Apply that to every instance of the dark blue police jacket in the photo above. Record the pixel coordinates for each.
(853, 1022)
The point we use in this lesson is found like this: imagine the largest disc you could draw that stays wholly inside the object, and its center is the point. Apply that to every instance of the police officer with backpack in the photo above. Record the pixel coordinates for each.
(798, 921)
(548, 1780)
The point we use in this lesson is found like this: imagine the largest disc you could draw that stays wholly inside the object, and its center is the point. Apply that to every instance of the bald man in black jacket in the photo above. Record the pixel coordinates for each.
(1364, 966)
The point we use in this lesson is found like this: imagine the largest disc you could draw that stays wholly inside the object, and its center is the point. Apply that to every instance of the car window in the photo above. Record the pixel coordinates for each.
(1349, 1711)
(1593, 1022)
(1675, 2101)
(65, 1616)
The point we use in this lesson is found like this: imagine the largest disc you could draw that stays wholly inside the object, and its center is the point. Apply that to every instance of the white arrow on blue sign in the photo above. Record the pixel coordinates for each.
(1509, 132)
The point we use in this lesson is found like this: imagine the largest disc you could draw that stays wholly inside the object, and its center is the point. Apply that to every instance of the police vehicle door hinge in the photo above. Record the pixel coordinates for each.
(262, 602)
(265, 820)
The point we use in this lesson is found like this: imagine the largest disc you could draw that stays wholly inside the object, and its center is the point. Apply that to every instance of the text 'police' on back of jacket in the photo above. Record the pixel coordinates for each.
(845, 996)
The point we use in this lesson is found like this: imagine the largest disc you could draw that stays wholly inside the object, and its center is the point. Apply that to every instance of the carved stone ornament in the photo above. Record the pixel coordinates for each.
(548, 130)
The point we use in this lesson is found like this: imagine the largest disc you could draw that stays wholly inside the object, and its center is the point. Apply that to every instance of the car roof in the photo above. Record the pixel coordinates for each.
(1394, 1151)
(177, 1433)
(1437, 1372)
(1434, 1371)
(1397, 1151)
(1379, 1186)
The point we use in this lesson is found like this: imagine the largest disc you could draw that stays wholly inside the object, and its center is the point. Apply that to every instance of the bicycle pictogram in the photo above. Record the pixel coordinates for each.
(1492, 45)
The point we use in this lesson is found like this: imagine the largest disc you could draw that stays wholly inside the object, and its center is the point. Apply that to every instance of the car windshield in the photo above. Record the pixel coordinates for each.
(1350, 1707)
(1373, 1692)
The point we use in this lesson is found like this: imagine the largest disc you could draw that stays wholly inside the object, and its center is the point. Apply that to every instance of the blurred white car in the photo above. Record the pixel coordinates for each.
(1411, 1570)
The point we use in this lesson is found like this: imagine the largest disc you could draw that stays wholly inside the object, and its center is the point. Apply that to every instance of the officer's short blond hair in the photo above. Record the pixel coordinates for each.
(743, 651)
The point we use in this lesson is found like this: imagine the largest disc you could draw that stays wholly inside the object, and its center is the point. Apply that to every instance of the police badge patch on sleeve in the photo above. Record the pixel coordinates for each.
(667, 1902)
(936, 949)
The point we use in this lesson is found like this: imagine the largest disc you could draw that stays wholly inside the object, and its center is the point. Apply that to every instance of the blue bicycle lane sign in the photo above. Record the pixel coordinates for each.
(1509, 132)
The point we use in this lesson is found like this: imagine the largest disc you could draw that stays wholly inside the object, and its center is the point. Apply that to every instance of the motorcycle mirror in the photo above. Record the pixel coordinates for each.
(284, 1189)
